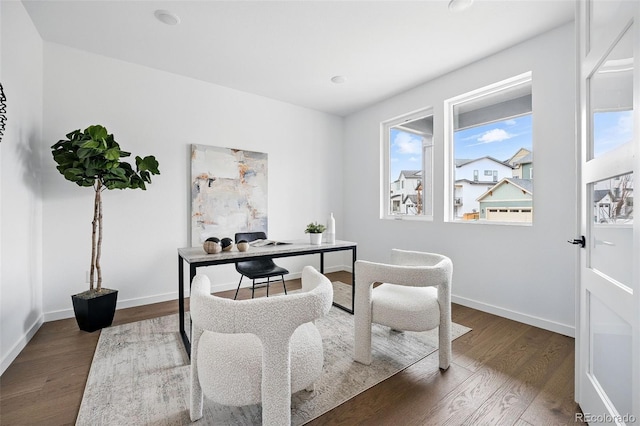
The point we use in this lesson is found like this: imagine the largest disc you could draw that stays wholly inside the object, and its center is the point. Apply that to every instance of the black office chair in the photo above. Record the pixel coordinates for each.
(258, 268)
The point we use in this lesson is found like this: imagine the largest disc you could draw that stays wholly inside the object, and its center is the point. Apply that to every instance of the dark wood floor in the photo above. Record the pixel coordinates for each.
(503, 373)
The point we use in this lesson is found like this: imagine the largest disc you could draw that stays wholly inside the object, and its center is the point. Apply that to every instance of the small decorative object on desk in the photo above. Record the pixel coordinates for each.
(330, 237)
(315, 231)
(242, 245)
(227, 244)
(212, 245)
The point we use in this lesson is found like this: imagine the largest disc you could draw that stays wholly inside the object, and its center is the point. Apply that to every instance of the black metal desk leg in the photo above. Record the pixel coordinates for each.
(353, 279)
(183, 334)
(321, 262)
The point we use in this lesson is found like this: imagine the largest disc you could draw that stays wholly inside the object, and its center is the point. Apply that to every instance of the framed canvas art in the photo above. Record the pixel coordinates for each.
(228, 192)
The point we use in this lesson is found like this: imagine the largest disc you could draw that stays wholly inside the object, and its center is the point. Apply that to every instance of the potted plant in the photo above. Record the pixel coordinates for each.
(92, 158)
(315, 231)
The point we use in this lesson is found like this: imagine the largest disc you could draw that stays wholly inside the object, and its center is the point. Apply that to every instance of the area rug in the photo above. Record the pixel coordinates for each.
(140, 373)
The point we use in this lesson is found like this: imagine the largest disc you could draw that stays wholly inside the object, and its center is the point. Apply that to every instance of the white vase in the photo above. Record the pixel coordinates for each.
(315, 239)
(331, 230)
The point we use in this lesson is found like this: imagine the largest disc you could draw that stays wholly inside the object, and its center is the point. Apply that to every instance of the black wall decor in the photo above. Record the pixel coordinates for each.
(3, 111)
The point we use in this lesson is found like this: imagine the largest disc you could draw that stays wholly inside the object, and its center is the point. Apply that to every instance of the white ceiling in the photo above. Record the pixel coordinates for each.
(289, 50)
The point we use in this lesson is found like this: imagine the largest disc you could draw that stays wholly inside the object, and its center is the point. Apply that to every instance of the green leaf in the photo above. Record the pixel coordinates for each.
(73, 134)
(112, 154)
(87, 152)
(148, 163)
(137, 182)
(146, 177)
(90, 144)
(117, 173)
(96, 132)
(73, 174)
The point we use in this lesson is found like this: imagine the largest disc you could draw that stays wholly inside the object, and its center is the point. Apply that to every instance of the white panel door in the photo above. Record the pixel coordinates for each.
(608, 334)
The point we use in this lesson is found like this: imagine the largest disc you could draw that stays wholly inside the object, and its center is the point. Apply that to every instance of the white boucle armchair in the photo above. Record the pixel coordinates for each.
(257, 351)
(415, 296)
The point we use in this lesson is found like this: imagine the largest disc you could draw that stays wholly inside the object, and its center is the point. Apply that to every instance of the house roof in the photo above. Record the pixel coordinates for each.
(410, 174)
(524, 184)
(474, 182)
(525, 160)
(518, 156)
(599, 194)
(459, 162)
(412, 197)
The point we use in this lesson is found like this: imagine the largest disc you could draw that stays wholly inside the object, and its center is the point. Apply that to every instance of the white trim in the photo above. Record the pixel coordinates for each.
(449, 160)
(21, 344)
(385, 178)
(534, 321)
(165, 297)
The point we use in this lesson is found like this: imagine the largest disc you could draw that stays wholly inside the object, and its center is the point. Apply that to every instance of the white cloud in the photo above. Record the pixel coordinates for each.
(407, 144)
(495, 135)
(510, 122)
(625, 124)
(415, 159)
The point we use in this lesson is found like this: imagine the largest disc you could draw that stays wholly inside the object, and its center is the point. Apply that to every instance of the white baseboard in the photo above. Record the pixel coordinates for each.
(545, 324)
(121, 304)
(148, 300)
(20, 345)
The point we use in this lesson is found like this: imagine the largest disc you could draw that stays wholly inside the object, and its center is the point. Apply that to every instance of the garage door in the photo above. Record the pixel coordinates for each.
(509, 214)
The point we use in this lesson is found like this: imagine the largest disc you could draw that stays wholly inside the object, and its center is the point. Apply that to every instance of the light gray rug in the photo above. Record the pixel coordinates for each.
(140, 373)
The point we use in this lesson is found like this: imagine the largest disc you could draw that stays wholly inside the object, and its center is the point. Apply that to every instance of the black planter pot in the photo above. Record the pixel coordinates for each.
(95, 310)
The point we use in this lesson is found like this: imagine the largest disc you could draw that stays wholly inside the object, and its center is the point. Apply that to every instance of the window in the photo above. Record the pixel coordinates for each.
(490, 129)
(407, 166)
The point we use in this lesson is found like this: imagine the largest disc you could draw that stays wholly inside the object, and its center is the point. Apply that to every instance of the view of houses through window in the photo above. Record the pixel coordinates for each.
(492, 153)
(409, 144)
(493, 172)
(490, 145)
(613, 200)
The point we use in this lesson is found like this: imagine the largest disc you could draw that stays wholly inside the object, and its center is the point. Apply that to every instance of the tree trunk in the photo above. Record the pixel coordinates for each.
(99, 245)
(94, 226)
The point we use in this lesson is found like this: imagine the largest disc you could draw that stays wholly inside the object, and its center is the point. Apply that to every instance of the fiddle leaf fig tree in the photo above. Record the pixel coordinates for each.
(92, 158)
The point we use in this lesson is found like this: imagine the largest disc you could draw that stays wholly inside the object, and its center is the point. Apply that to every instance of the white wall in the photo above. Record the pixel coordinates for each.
(522, 272)
(20, 193)
(153, 112)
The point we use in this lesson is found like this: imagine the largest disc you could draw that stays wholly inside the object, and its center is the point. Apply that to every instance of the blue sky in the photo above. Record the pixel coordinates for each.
(611, 129)
(499, 140)
(503, 139)
(406, 152)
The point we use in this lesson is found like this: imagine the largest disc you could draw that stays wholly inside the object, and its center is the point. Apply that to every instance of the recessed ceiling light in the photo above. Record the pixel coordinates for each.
(338, 79)
(459, 5)
(166, 17)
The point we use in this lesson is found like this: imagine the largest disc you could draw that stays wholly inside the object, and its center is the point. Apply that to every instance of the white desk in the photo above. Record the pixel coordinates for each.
(196, 257)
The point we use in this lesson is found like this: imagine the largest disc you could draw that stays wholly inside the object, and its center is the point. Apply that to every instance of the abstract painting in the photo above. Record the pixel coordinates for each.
(228, 192)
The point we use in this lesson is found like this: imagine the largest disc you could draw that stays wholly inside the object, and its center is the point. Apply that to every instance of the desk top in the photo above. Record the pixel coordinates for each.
(292, 248)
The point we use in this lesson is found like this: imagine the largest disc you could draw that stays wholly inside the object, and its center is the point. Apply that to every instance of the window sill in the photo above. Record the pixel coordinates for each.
(408, 218)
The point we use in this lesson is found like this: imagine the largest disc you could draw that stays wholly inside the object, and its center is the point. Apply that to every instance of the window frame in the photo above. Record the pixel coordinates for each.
(449, 151)
(385, 167)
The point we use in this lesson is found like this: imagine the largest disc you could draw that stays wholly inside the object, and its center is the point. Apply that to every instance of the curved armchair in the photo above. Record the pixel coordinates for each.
(258, 268)
(258, 350)
(415, 296)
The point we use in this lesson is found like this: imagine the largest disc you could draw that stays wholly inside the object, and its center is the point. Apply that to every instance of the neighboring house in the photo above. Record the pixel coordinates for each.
(474, 178)
(523, 167)
(602, 202)
(518, 156)
(412, 204)
(510, 200)
(612, 205)
(407, 184)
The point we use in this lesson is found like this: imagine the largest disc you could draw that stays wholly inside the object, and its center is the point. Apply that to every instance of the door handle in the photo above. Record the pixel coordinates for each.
(582, 241)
